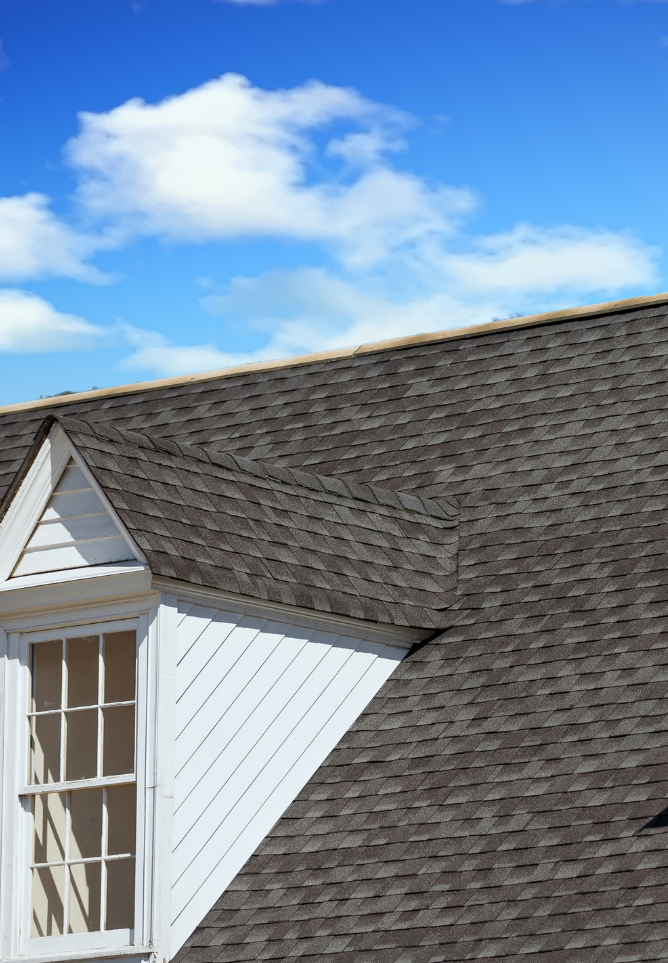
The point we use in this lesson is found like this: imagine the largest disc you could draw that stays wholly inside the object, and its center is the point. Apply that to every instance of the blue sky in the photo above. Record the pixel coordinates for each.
(188, 184)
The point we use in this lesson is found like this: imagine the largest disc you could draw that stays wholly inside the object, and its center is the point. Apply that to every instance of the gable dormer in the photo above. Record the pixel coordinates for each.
(184, 638)
(59, 519)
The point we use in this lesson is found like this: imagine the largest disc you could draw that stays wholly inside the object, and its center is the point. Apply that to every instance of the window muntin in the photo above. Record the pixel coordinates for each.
(82, 718)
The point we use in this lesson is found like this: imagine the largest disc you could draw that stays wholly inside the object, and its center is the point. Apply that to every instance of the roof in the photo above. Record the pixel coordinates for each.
(292, 537)
(498, 798)
(373, 347)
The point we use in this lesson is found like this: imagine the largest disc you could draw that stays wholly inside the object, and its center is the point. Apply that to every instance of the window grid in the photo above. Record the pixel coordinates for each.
(65, 710)
(60, 793)
(67, 861)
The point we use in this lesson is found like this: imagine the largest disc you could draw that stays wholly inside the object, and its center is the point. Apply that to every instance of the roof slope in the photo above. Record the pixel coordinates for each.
(230, 523)
(490, 803)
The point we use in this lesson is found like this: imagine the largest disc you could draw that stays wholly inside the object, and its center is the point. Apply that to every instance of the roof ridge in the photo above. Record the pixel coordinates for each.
(444, 509)
(336, 354)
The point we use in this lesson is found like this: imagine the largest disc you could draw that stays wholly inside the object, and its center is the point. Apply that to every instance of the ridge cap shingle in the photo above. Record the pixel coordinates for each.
(443, 509)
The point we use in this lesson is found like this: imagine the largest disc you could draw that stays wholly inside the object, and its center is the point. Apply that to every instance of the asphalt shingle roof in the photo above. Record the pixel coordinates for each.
(292, 537)
(498, 800)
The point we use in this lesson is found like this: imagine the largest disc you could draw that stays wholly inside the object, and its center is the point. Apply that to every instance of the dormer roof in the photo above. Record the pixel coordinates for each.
(247, 527)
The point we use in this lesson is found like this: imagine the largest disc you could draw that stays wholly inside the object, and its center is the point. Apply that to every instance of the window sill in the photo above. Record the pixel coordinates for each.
(110, 952)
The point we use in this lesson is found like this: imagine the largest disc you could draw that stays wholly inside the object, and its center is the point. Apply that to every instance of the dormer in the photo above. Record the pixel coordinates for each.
(186, 637)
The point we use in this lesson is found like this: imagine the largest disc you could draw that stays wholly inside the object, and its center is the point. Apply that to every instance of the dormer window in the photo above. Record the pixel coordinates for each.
(81, 784)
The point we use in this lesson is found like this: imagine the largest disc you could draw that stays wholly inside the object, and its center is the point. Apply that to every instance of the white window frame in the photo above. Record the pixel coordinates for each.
(15, 808)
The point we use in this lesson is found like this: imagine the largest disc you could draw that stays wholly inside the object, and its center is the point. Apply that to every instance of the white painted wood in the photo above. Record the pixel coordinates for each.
(64, 532)
(98, 552)
(260, 704)
(70, 504)
(295, 614)
(74, 531)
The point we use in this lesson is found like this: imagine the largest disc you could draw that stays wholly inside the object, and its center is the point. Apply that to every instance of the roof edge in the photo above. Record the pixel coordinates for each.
(451, 334)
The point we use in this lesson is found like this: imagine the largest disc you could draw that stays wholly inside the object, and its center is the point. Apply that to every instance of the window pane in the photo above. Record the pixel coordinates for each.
(45, 746)
(84, 901)
(49, 838)
(85, 823)
(119, 740)
(120, 912)
(82, 671)
(48, 886)
(122, 819)
(81, 744)
(120, 656)
(47, 673)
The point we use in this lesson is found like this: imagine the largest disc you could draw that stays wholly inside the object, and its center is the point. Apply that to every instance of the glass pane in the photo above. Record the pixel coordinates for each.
(48, 887)
(85, 823)
(45, 746)
(84, 902)
(81, 760)
(119, 740)
(47, 674)
(120, 657)
(50, 818)
(121, 819)
(82, 671)
(120, 912)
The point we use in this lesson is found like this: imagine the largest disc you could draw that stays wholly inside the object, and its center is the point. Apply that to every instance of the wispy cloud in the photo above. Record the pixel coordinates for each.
(35, 244)
(31, 325)
(4, 59)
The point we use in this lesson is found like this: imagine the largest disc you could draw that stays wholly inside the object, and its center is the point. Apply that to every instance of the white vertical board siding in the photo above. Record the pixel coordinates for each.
(260, 705)
(75, 530)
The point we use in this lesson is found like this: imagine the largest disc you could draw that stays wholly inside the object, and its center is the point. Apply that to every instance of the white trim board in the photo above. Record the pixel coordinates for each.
(388, 634)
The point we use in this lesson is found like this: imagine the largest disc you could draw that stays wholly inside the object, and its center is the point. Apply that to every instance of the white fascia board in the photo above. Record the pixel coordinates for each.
(32, 604)
(389, 634)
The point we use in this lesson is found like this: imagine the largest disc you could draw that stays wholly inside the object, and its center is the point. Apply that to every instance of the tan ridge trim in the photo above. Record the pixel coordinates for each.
(474, 330)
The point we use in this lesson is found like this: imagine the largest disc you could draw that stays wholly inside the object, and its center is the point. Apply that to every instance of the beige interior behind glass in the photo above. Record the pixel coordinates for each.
(82, 729)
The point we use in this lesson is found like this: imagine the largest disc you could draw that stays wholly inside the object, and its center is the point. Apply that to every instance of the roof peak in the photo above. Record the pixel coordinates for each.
(450, 334)
(443, 509)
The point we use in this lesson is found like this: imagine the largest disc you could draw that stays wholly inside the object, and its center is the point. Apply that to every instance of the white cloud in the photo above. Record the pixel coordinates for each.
(229, 160)
(30, 325)
(156, 353)
(529, 260)
(36, 244)
(311, 309)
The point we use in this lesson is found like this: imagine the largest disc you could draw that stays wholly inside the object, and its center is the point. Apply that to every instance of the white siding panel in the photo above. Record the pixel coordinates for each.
(69, 504)
(261, 705)
(75, 530)
(209, 657)
(73, 556)
(67, 530)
